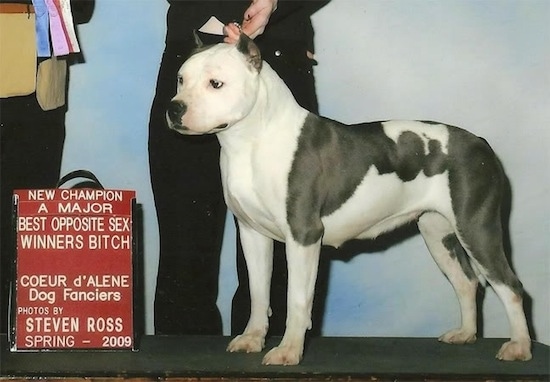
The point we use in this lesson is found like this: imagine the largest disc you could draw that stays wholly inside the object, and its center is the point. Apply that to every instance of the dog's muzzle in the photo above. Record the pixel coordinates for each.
(175, 111)
(174, 114)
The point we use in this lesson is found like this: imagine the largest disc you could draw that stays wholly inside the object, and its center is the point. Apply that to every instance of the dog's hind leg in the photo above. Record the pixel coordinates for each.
(494, 267)
(482, 239)
(454, 263)
(258, 253)
(477, 181)
(303, 262)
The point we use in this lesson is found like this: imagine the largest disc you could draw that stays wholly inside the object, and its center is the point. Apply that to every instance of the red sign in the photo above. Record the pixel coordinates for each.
(74, 274)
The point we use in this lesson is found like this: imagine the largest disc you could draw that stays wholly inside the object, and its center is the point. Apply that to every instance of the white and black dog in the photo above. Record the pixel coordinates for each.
(308, 181)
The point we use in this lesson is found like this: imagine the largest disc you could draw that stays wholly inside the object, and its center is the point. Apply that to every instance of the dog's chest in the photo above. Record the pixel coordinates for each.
(255, 181)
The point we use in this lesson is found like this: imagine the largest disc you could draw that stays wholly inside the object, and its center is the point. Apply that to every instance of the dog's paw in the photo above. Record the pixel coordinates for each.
(515, 351)
(283, 355)
(458, 337)
(247, 343)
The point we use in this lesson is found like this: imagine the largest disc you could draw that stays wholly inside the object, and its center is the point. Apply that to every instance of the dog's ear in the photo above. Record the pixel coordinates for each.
(198, 42)
(246, 46)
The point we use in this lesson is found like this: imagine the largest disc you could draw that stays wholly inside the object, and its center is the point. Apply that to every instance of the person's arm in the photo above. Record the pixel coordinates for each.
(261, 12)
(288, 7)
(255, 20)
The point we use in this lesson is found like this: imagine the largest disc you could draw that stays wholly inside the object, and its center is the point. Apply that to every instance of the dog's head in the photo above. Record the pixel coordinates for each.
(216, 88)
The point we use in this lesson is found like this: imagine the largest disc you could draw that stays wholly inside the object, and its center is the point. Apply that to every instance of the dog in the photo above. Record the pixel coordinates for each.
(306, 180)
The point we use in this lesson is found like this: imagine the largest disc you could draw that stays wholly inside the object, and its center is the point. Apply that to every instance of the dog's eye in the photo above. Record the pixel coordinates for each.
(216, 84)
(180, 80)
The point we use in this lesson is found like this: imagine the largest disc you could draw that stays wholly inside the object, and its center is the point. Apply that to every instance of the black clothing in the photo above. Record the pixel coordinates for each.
(291, 20)
(31, 145)
(185, 173)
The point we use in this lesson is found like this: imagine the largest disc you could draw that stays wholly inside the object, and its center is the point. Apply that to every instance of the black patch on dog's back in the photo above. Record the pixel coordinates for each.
(411, 158)
(332, 159)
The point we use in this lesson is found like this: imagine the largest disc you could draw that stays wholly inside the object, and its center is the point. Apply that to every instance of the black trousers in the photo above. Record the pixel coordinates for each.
(31, 147)
(186, 184)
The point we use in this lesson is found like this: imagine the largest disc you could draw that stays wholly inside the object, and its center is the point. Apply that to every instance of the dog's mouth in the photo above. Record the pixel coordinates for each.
(215, 130)
(187, 131)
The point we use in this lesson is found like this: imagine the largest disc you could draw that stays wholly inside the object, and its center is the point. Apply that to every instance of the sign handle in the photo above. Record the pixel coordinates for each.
(92, 182)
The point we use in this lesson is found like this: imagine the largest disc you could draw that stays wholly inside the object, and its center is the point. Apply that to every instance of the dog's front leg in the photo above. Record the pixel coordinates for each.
(258, 253)
(302, 265)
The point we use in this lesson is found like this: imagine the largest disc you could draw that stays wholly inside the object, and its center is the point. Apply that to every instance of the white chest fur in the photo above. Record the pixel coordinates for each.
(255, 161)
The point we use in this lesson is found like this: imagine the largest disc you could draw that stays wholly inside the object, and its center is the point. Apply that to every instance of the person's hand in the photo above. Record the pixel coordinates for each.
(254, 22)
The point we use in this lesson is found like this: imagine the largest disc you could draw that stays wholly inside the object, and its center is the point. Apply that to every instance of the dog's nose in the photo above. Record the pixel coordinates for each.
(175, 110)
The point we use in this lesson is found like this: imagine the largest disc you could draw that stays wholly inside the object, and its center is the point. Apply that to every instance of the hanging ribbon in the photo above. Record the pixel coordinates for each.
(59, 41)
(42, 28)
(67, 17)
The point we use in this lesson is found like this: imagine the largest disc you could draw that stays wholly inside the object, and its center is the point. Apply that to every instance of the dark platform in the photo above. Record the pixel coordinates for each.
(163, 357)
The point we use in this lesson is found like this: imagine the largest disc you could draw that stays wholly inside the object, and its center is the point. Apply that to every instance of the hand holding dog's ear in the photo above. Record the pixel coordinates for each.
(232, 32)
(254, 22)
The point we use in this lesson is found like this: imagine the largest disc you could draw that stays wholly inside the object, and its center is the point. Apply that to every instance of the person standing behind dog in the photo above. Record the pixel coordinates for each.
(185, 174)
